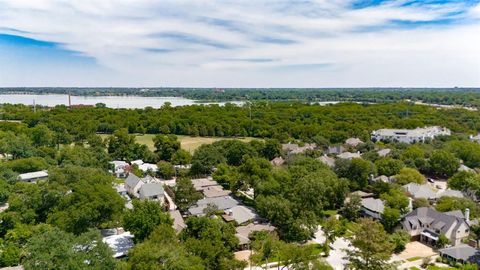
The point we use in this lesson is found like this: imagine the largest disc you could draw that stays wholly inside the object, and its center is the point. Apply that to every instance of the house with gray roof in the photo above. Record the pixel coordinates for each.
(278, 161)
(133, 184)
(152, 191)
(119, 168)
(293, 148)
(450, 193)
(240, 214)
(215, 191)
(353, 142)
(461, 254)
(427, 224)
(418, 191)
(243, 232)
(373, 208)
(33, 177)
(335, 150)
(384, 152)
(349, 155)
(222, 203)
(329, 161)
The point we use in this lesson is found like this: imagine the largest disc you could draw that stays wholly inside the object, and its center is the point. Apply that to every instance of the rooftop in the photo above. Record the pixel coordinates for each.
(374, 205)
(240, 214)
(33, 175)
(459, 252)
(215, 191)
(150, 190)
(119, 243)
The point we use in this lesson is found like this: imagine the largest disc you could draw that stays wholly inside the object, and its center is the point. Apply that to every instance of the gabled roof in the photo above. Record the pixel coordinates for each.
(241, 214)
(215, 191)
(420, 191)
(178, 222)
(450, 193)
(244, 231)
(384, 152)
(222, 203)
(349, 155)
(431, 217)
(278, 161)
(132, 180)
(327, 160)
(460, 252)
(150, 190)
(374, 205)
(353, 141)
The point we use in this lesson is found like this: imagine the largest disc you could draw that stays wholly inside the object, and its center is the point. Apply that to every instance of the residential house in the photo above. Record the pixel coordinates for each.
(475, 138)
(450, 193)
(152, 191)
(335, 150)
(409, 135)
(119, 168)
(353, 142)
(215, 191)
(240, 214)
(464, 168)
(178, 222)
(202, 183)
(427, 224)
(121, 190)
(120, 243)
(417, 191)
(384, 152)
(278, 161)
(349, 155)
(329, 161)
(33, 177)
(222, 203)
(133, 184)
(461, 254)
(243, 232)
(293, 148)
(145, 167)
(372, 208)
(380, 178)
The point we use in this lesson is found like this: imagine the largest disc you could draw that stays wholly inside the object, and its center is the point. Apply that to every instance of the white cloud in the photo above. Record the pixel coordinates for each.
(255, 43)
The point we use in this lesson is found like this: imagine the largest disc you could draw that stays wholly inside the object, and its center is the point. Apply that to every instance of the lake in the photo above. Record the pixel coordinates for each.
(129, 102)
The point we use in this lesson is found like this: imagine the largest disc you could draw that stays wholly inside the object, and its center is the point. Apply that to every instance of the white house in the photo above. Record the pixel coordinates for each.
(119, 168)
(33, 177)
(409, 135)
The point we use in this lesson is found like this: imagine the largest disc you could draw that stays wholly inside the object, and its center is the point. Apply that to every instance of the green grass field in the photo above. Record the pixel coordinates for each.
(188, 143)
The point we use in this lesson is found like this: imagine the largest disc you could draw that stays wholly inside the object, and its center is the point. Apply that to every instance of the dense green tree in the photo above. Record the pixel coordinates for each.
(212, 240)
(66, 251)
(144, 218)
(372, 250)
(166, 146)
(420, 202)
(399, 239)
(443, 163)
(163, 251)
(396, 198)
(165, 169)
(409, 175)
(357, 170)
(464, 180)
(41, 135)
(90, 202)
(123, 146)
(390, 219)
(181, 157)
(389, 166)
(446, 204)
(272, 149)
(351, 209)
(205, 158)
(185, 194)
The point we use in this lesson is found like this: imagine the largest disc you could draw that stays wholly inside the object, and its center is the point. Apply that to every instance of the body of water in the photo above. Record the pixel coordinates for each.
(130, 102)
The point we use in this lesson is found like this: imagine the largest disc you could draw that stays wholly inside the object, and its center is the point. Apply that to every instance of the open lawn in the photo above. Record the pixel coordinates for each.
(188, 143)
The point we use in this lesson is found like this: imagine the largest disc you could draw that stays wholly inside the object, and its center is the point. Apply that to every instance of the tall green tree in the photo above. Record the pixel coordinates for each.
(371, 248)
(166, 146)
(144, 218)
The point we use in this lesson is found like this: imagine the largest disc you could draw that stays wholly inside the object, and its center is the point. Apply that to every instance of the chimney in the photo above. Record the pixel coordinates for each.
(467, 214)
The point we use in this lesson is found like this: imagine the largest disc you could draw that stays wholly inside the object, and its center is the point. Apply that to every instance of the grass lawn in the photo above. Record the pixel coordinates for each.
(414, 259)
(431, 267)
(188, 143)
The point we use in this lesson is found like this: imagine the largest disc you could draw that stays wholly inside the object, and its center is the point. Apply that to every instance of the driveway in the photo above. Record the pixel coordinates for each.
(337, 253)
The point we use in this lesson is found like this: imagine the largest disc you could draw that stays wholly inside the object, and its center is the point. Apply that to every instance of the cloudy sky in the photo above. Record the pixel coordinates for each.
(240, 43)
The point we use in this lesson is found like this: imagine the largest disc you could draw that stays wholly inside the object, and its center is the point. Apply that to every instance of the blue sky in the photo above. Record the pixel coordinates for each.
(236, 43)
